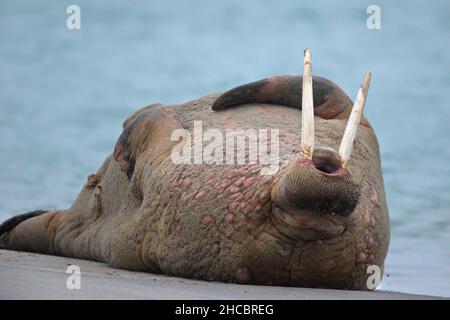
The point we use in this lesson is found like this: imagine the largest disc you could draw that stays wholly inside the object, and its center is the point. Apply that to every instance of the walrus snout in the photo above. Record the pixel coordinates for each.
(320, 186)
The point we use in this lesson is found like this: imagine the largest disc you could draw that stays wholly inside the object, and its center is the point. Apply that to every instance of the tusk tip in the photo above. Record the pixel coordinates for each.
(366, 82)
(307, 54)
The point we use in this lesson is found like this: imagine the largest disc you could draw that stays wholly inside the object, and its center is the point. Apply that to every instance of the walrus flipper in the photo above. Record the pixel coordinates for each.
(329, 99)
(11, 223)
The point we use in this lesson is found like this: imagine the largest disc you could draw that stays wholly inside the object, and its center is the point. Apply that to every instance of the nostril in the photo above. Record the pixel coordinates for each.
(325, 164)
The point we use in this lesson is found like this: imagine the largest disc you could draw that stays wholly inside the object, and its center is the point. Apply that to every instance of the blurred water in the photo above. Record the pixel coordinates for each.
(64, 94)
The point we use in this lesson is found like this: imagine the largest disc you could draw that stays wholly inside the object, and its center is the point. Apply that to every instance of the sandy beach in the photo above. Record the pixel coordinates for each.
(33, 276)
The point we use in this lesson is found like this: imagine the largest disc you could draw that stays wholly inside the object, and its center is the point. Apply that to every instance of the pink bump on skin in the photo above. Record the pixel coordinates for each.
(207, 220)
(239, 182)
(200, 195)
(178, 229)
(174, 184)
(371, 242)
(187, 183)
(232, 173)
(361, 258)
(374, 198)
(249, 182)
(229, 218)
(371, 258)
(233, 189)
(221, 185)
(242, 206)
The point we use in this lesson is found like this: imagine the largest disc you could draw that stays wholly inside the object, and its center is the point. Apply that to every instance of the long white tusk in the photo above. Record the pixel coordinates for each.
(346, 147)
(307, 142)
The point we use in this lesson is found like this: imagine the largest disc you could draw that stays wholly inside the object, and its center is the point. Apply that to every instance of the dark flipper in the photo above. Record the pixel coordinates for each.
(11, 223)
(329, 99)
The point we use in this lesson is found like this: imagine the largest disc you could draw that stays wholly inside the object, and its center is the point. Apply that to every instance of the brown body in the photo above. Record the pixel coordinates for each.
(311, 224)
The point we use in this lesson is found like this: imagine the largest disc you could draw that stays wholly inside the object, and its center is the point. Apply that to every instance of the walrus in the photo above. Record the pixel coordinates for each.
(319, 220)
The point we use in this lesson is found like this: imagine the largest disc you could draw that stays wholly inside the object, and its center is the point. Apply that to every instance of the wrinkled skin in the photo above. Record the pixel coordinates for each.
(311, 224)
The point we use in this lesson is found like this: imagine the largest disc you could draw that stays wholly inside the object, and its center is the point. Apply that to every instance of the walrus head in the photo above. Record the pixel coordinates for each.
(325, 211)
